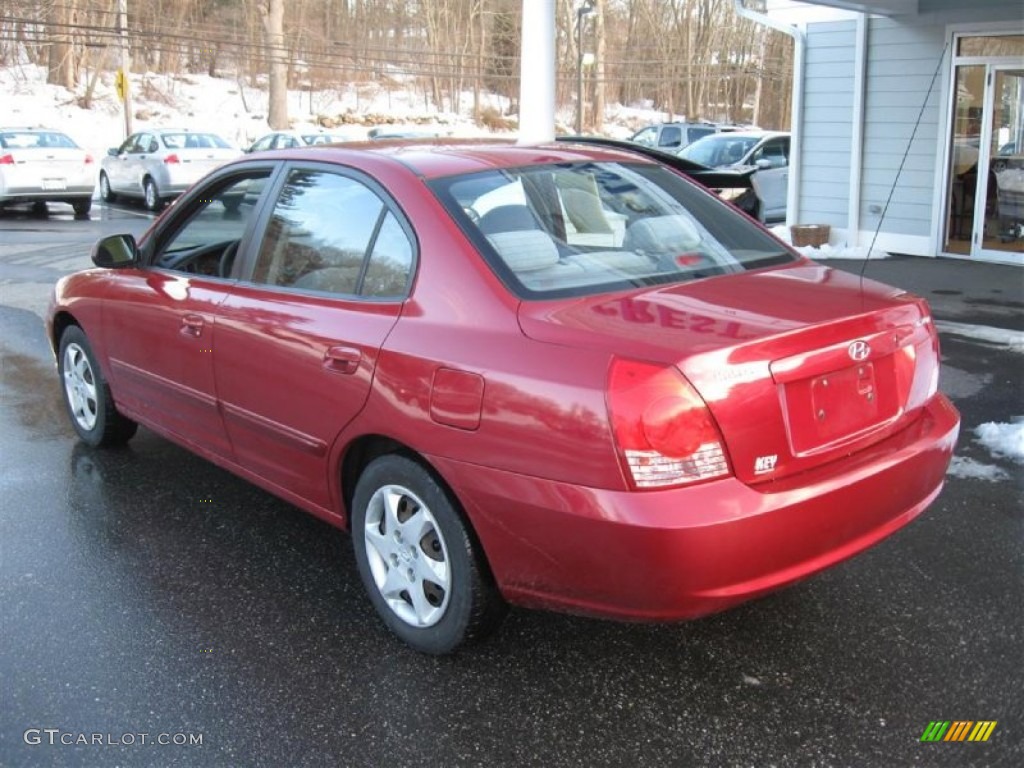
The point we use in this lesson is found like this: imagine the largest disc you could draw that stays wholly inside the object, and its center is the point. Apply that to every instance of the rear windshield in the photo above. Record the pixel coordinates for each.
(576, 229)
(35, 140)
(194, 141)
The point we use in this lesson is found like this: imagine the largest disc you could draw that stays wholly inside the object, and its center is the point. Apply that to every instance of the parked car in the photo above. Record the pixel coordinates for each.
(768, 151)
(40, 166)
(299, 138)
(716, 179)
(397, 132)
(560, 376)
(157, 165)
(674, 136)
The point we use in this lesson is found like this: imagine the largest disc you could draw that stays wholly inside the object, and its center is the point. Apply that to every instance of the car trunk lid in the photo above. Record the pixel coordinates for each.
(799, 366)
(49, 168)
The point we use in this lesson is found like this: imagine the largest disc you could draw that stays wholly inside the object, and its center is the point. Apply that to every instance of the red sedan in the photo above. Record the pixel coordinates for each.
(560, 376)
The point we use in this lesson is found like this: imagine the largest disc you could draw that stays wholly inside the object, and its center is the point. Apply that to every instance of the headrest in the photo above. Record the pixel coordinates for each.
(507, 218)
(662, 234)
(525, 251)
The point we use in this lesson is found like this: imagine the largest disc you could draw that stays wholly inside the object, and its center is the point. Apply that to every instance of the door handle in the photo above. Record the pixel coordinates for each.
(342, 359)
(192, 325)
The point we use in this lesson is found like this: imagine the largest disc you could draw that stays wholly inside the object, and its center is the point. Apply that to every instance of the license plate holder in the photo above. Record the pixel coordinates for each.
(844, 401)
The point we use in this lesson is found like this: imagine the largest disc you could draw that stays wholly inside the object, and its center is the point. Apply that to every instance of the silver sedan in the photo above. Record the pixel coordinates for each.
(157, 165)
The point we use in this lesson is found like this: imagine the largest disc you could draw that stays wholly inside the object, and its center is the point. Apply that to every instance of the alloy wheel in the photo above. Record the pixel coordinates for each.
(407, 556)
(80, 386)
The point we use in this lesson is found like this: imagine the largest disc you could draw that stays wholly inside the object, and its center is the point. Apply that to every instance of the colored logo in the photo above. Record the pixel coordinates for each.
(858, 350)
(958, 730)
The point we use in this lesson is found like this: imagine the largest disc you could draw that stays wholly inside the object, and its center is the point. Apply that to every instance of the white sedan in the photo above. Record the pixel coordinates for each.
(41, 166)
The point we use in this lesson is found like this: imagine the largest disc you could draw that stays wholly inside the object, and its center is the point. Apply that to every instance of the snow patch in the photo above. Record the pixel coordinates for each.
(969, 469)
(1005, 440)
(829, 251)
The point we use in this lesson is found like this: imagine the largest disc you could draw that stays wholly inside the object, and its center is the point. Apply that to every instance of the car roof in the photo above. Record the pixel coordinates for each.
(436, 158)
(749, 134)
(705, 123)
(296, 131)
(27, 129)
(173, 130)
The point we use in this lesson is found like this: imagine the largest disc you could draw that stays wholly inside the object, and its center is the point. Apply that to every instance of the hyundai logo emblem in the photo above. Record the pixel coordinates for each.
(859, 350)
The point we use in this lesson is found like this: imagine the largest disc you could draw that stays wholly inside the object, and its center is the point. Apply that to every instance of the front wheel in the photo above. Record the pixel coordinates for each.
(106, 193)
(419, 563)
(86, 394)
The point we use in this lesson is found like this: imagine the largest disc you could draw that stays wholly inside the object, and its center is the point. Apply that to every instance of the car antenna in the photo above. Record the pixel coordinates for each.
(906, 153)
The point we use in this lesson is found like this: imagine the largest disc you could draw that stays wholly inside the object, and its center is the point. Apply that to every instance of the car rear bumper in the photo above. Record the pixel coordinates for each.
(683, 553)
(33, 194)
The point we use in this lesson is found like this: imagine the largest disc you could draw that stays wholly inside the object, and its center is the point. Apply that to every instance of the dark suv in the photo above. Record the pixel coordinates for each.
(673, 136)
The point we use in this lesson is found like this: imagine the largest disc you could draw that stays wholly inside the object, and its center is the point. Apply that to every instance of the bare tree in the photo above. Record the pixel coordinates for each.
(61, 62)
(272, 13)
(693, 57)
(599, 70)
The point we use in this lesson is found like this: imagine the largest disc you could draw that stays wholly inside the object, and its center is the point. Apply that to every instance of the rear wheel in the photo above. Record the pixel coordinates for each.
(86, 394)
(106, 193)
(419, 563)
(151, 195)
(82, 207)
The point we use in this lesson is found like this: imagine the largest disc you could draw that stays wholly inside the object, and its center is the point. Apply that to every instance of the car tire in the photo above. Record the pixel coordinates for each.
(151, 195)
(106, 193)
(82, 207)
(418, 559)
(86, 394)
(39, 208)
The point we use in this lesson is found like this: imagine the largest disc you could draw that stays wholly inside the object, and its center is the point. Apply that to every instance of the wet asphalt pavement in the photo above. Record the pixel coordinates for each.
(145, 591)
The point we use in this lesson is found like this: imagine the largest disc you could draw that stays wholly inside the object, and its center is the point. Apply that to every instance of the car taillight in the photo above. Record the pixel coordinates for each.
(664, 430)
(171, 160)
(88, 160)
(6, 159)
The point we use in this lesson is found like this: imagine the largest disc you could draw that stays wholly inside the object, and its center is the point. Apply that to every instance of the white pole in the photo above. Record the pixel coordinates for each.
(537, 73)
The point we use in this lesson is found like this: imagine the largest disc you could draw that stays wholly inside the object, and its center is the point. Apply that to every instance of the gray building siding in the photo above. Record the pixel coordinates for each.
(827, 123)
(903, 54)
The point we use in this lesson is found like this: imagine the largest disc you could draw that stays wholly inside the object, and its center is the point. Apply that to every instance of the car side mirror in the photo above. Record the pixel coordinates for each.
(114, 151)
(115, 252)
(764, 164)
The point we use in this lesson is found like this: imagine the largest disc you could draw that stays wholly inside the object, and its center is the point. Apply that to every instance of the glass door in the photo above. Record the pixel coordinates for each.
(999, 215)
(961, 194)
(984, 192)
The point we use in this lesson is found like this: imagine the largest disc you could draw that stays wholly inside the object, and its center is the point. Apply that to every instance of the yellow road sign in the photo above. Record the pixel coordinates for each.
(121, 84)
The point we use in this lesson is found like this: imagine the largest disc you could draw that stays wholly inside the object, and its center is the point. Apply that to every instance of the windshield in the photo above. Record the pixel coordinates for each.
(194, 141)
(719, 150)
(573, 229)
(35, 140)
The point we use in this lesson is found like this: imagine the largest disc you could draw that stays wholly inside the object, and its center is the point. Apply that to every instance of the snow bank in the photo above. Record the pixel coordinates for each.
(1006, 440)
